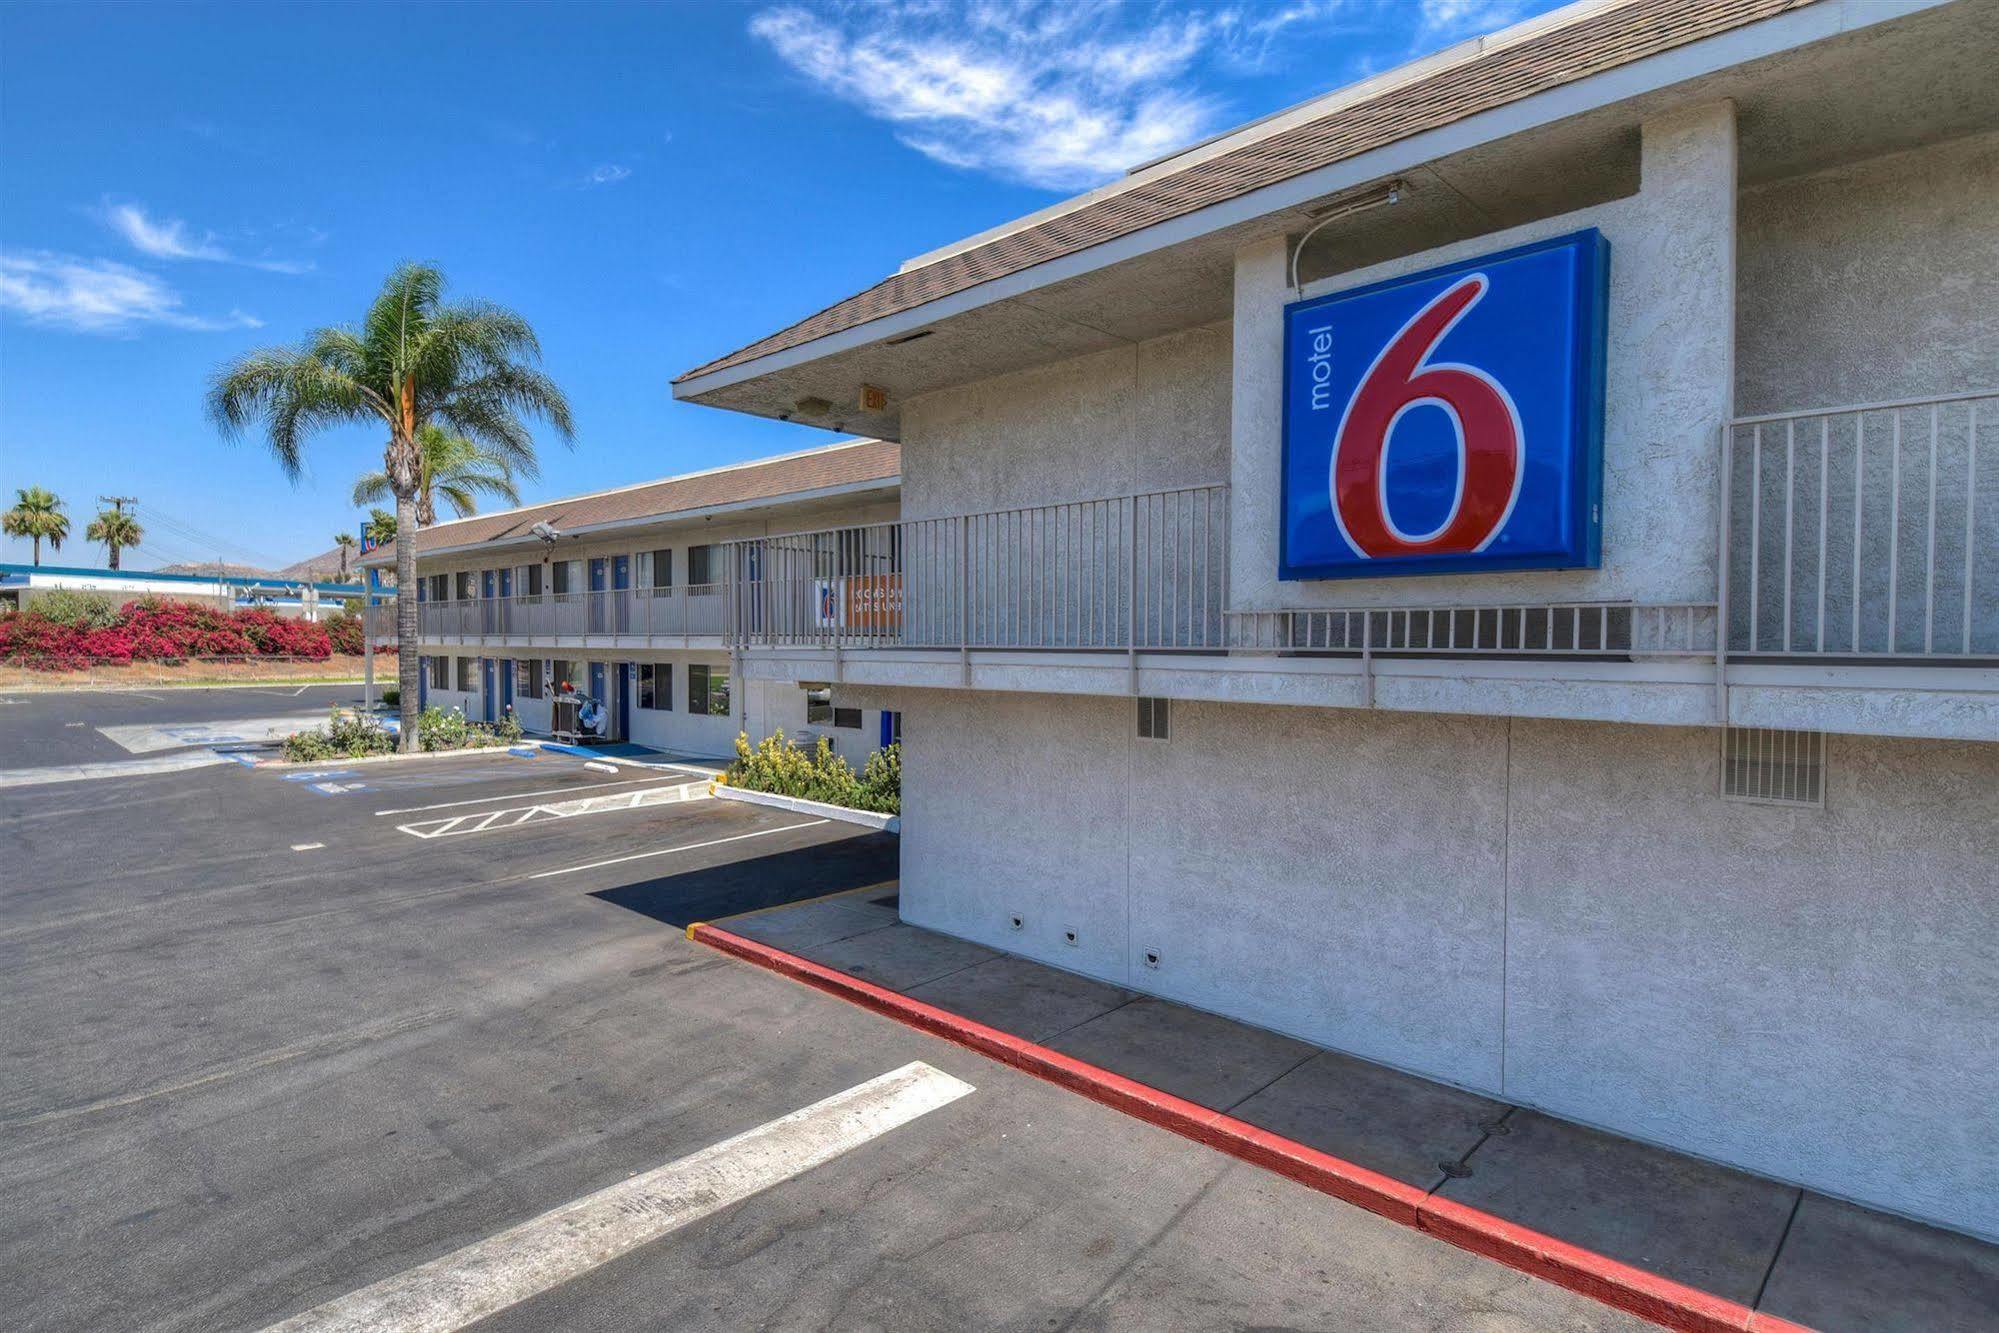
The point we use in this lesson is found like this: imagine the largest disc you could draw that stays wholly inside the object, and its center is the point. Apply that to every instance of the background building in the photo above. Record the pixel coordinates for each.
(623, 594)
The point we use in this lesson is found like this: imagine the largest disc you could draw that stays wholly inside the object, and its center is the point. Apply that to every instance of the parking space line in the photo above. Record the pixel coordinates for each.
(458, 826)
(544, 1252)
(519, 795)
(668, 851)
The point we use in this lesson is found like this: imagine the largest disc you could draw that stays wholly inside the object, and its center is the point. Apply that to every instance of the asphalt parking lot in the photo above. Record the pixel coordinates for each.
(249, 1076)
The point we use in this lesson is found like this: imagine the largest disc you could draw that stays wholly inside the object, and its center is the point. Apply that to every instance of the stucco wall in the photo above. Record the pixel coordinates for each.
(1562, 914)
(1146, 417)
(1872, 281)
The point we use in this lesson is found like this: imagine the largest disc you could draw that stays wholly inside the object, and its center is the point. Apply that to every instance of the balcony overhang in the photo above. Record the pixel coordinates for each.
(1834, 81)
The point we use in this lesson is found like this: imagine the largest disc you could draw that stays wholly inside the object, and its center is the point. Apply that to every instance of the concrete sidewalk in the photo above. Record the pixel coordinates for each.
(1783, 1251)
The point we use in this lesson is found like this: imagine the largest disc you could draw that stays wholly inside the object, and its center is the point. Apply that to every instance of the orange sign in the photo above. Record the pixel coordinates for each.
(874, 602)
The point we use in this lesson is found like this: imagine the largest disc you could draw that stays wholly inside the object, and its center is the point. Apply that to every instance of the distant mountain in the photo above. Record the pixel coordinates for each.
(321, 568)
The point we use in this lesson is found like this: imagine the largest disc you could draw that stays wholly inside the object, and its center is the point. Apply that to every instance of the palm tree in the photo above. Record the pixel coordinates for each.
(115, 528)
(454, 467)
(346, 542)
(414, 361)
(37, 515)
(380, 529)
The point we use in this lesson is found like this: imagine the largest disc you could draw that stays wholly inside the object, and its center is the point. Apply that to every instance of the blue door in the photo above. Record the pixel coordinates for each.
(422, 672)
(506, 683)
(506, 602)
(488, 608)
(891, 726)
(599, 622)
(486, 691)
(621, 581)
(597, 691)
(624, 711)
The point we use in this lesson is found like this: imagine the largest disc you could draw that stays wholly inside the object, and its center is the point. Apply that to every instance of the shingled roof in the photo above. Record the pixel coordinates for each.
(839, 465)
(1546, 58)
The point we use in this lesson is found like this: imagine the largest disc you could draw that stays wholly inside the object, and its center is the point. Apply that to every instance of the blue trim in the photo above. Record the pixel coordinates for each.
(335, 589)
(1591, 345)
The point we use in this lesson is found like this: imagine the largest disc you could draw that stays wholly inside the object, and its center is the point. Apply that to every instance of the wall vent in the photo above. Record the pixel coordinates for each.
(1152, 719)
(1766, 766)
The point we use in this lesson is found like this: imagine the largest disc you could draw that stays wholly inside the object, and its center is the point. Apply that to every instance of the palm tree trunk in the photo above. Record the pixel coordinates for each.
(114, 555)
(406, 627)
(38, 552)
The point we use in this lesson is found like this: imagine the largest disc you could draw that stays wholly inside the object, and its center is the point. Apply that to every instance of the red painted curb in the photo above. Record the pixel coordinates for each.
(1663, 1301)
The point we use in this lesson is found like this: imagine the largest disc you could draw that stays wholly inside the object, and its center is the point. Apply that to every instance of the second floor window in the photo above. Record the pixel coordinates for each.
(659, 567)
(703, 566)
(527, 582)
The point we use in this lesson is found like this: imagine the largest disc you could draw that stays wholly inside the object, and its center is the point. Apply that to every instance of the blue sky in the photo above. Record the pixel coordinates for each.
(651, 185)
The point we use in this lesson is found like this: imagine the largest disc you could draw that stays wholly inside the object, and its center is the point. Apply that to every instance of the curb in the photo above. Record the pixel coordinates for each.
(463, 752)
(799, 805)
(1661, 1300)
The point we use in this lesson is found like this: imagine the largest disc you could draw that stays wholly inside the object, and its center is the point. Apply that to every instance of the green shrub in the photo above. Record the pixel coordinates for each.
(781, 767)
(391, 695)
(439, 730)
(77, 609)
(345, 736)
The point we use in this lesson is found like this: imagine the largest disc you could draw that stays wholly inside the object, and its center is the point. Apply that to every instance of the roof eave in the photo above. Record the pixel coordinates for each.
(1709, 55)
(845, 489)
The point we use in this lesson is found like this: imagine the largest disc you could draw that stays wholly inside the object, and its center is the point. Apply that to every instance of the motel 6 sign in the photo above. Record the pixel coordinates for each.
(1449, 421)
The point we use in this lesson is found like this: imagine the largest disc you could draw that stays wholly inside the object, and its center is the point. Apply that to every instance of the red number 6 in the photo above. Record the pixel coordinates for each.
(1487, 426)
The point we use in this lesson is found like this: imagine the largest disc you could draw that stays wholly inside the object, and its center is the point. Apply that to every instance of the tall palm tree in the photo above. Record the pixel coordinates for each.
(115, 528)
(415, 360)
(37, 515)
(454, 467)
(380, 529)
(346, 542)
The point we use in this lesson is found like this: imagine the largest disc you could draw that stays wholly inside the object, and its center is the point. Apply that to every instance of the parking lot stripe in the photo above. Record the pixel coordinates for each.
(474, 821)
(117, 768)
(543, 1253)
(668, 851)
(522, 795)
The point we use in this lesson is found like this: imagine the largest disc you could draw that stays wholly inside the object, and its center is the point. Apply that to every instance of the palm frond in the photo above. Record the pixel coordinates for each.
(294, 394)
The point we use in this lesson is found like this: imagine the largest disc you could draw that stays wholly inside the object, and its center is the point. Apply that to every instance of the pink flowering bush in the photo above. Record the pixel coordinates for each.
(155, 629)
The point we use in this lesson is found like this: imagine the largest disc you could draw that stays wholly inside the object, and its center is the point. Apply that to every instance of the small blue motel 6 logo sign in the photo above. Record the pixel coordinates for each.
(1449, 421)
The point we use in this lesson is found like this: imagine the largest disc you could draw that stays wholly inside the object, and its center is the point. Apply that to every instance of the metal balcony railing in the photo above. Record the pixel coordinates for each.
(1864, 532)
(1143, 571)
(632, 614)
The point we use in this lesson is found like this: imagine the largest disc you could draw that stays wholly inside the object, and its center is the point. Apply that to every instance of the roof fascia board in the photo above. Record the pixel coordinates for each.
(1771, 36)
(849, 488)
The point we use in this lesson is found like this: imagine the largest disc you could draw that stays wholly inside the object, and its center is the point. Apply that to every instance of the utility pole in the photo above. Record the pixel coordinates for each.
(117, 502)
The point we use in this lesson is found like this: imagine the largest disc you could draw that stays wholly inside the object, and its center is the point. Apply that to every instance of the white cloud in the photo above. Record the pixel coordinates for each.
(607, 173)
(1470, 18)
(1056, 93)
(171, 238)
(97, 296)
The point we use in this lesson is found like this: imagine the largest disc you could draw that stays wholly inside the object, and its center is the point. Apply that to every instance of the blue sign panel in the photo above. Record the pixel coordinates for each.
(1449, 421)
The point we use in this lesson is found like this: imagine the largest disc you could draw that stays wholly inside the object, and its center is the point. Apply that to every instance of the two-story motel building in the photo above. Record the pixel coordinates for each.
(1685, 826)
(620, 594)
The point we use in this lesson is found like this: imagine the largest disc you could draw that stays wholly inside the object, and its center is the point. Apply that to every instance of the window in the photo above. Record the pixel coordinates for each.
(819, 705)
(1765, 766)
(565, 675)
(656, 686)
(531, 678)
(467, 674)
(467, 587)
(661, 562)
(527, 583)
(702, 567)
(1152, 719)
(847, 717)
(564, 577)
(440, 587)
(440, 669)
(707, 691)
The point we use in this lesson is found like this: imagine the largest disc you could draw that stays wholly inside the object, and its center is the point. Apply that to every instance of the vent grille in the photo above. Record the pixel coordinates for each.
(1152, 719)
(1765, 766)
